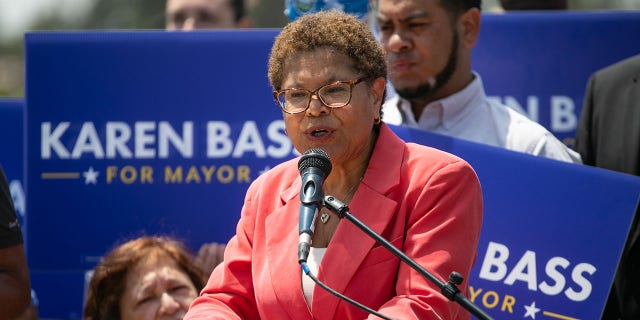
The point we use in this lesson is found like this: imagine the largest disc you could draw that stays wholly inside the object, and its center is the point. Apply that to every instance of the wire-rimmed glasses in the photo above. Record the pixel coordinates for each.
(333, 95)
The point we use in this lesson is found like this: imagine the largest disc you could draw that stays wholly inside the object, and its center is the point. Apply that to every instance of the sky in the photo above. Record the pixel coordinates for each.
(17, 15)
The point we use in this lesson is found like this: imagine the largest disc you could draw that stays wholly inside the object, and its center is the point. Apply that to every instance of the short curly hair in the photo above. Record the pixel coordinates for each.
(333, 29)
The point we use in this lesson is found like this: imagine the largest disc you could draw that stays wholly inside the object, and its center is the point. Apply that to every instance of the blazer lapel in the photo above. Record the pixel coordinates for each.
(350, 245)
(282, 263)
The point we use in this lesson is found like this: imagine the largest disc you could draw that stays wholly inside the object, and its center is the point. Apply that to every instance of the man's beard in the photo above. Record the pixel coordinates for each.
(426, 90)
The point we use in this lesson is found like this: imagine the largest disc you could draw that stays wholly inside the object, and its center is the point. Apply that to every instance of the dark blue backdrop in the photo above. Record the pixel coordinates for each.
(541, 62)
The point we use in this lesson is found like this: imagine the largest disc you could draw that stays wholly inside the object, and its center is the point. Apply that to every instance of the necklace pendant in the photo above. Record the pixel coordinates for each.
(324, 217)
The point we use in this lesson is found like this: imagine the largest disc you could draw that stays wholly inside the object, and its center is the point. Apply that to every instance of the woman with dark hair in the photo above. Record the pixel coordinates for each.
(144, 278)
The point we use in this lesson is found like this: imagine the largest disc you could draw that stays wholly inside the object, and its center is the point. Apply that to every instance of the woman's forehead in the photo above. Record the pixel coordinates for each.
(320, 63)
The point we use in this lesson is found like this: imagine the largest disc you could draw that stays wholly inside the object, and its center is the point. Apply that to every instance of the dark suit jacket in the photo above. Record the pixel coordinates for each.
(609, 129)
(609, 137)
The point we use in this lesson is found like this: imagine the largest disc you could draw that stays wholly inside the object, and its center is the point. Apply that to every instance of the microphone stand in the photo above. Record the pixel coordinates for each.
(449, 290)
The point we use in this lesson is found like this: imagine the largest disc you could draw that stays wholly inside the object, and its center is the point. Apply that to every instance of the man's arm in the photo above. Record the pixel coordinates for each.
(15, 292)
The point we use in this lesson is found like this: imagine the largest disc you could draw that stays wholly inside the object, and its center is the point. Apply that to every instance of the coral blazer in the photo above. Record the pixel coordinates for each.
(426, 202)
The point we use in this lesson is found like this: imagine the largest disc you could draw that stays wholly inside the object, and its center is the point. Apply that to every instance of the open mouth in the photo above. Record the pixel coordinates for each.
(318, 133)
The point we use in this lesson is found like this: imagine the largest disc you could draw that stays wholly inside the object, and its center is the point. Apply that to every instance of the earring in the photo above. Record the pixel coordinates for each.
(377, 120)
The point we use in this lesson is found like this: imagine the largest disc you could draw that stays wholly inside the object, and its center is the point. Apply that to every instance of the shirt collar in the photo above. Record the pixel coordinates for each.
(453, 108)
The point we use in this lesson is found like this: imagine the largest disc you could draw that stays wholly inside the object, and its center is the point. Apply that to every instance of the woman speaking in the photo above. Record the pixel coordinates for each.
(328, 73)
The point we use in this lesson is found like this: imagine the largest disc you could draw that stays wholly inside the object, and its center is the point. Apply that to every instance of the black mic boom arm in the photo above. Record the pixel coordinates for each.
(449, 290)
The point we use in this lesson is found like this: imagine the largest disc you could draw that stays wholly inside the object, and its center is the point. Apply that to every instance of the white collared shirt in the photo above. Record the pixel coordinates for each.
(469, 115)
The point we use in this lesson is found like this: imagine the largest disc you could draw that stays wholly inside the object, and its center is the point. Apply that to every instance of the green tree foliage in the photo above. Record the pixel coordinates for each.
(104, 14)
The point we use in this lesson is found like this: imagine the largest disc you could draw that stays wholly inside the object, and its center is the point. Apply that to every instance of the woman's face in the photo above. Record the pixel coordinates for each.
(344, 133)
(156, 288)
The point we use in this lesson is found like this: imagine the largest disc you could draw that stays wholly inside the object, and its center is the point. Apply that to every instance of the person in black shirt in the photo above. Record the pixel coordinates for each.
(15, 292)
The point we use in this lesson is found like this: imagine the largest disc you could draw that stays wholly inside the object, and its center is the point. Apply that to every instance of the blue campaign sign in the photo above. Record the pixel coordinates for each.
(133, 133)
(540, 62)
(146, 132)
(12, 152)
(542, 249)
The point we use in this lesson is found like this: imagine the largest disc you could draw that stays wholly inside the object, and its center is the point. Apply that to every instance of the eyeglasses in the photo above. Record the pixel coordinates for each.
(333, 95)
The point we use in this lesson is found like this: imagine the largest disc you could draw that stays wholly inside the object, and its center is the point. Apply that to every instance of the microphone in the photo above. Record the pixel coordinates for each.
(314, 167)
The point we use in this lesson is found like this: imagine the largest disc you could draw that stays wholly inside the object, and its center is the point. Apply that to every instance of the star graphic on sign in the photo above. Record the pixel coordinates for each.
(90, 176)
(531, 310)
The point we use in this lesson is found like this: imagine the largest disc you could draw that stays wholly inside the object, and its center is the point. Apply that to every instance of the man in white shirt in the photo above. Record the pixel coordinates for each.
(428, 45)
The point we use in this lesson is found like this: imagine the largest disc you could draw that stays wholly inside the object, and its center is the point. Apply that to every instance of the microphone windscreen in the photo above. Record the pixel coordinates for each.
(317, 158)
